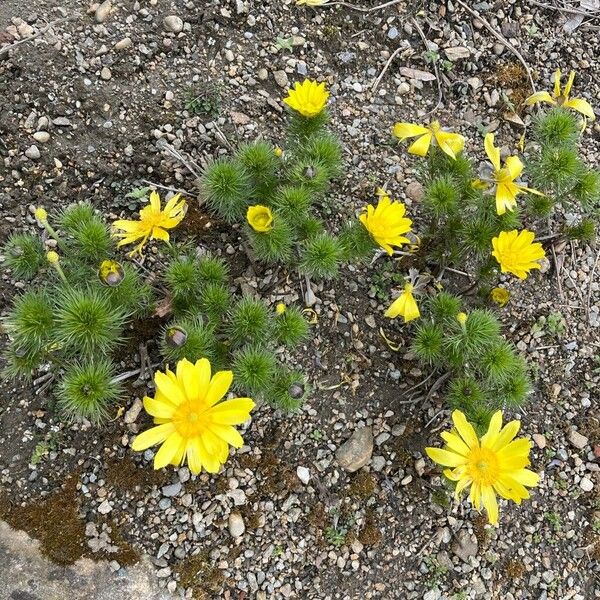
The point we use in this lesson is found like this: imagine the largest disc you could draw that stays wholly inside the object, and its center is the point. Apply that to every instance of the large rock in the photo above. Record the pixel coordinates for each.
(356, 451)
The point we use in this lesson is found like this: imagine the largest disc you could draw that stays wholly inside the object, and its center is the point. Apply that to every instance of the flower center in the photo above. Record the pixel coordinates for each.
(482, 466)
(189, 419)
(503, 175)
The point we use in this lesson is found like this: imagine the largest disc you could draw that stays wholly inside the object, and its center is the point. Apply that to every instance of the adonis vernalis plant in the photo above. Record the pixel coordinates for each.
(569, 184)
(276, 192)
(492, 465)
(482, 371)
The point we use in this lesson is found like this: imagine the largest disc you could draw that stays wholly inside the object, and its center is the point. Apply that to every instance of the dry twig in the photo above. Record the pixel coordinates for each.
(360, 8)
(38, 33)
(385, 68)
(436, 69)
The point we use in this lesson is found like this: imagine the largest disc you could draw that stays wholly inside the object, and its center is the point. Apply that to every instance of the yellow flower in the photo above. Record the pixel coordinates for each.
(450, 143)
(52, 257)
(500, 296)
(193, 424)
(41, 215)
(387, 222)
(504, 177)
(153, 222)
(404, 306)
(462, 317)
(260, 218)
(494, 464)
(280, 308)
(278, 152)
(308, 98)
(561, 97)
(111, 273)
(311, 2)
(516, 252)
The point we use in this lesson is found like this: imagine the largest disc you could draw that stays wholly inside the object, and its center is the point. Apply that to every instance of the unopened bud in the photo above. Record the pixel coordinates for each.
(176, 336)
(462, 317)
(280, 308)
(52, 257)
(41, 215)
(296, 390)
(111, 273)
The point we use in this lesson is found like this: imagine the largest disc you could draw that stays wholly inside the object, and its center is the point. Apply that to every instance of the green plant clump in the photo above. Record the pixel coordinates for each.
(292, 184)
(74, 315)
(483, 371)
(241, 334)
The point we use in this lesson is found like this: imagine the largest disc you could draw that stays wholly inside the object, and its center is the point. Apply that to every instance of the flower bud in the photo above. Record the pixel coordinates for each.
(111, 273)
(41, 215)
(500, 296)
(176, 336)
(52, 257)
(296, 391)
(280, 308)
(462, 317)
(278, 152)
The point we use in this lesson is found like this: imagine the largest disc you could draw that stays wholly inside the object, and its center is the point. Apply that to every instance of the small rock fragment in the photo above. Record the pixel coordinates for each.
(465, 545)
(172, 490)
(303, 475)
(356, 451)
(586, 484)
(105, 507)
(281, 78)
(32, 152)
(103, 11)
(173, 23)
(133, 413)
(124, 43)
(41, 136)
(236, 525)
(577, 440)
(414, 190)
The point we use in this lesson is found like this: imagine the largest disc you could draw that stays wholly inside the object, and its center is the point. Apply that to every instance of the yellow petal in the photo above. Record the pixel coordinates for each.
(203, 370)
(569, 85)
(219, 386)
(506, 435)
(168, 450)
(445, 458)
(488, 439)
(514, 166)
(540, 97)
(209, 461)
(420, 146)
(171, 204)
(153, 436)
(557, 77)
(159, 234)
(157, 408)
(155, 202)
(505, 199)
(228, 434)
(465, 429)
(492, 152)
(488, 498)
(232, 412)
(517, 448)
(168, 388)
(193, 456)
(581, 106)
(461, 485)
(406, 130)
(455, 443)
(475, 495)
(526, 477)
(188, 377)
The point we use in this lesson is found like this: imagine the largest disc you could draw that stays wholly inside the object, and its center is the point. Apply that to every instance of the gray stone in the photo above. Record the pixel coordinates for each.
(105, 507)
(103, 11)
(41, 136)
(586, 484)
(236, 525)
(124, 43)
(171, 490)
(465, 546)
(356, 451)
(173, 23)
(32, 152)
(281, 78)
(303, 475)
(132, 414)
(414, 190)
(577, 440)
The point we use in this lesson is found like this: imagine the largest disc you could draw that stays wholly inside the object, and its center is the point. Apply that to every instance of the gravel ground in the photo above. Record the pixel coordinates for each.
(98, 103)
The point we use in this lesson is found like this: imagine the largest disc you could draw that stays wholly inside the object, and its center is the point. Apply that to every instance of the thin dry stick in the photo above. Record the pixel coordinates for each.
(360, 8)
(385, 68)
(558, 271)
(42, 31)
(436, 69)
(564, 9)
(589, 295)
(166, 187)
(188, 163)
(501, 39)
